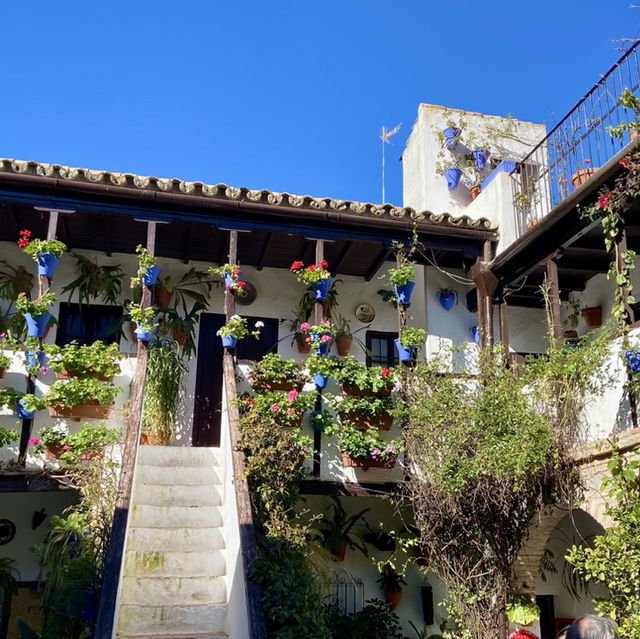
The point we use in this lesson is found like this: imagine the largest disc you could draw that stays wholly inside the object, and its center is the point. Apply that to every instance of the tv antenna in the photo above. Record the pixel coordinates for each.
(385, 136)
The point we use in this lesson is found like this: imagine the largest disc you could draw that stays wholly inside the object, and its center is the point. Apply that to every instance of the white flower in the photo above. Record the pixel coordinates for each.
(259, 324)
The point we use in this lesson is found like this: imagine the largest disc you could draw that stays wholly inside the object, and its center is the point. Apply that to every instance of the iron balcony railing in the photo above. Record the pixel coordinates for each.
(577, 146)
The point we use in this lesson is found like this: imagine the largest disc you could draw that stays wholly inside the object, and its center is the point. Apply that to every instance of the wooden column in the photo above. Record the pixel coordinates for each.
(318, 316)
(504, 326)
(621, 246)
(554, 301)
(113, 560)
(257, 625)
(486, 283)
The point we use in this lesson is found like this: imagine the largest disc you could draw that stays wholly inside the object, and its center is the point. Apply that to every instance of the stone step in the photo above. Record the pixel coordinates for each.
(167, 620)
(168, 495)
(179, 475)
(174, 591)
(174, 564)
(150, 516)
(178, 456)
(175, 539)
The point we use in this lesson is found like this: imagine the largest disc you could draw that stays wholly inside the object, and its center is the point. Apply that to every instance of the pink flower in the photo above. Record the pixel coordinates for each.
(228, 287)
(3, 335)
(326, 338)
(275, 407)
(66, 447)
(376, 453)
(237, 272)
(44, 370)
(305, 326)
(391, 449)
(291, 411)
(624, 163)
(307, 339)
(34, 441)
(292, 395)
(85, 456)
(306, 449)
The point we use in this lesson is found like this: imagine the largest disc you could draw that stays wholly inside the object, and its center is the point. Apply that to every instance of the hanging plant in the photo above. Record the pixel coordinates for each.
(46, 253)
(147, 270)
(235, 329)
(315, 275)
(95, 282)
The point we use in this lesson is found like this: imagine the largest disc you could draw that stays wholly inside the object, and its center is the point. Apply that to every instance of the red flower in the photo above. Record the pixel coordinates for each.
(624, 163)
(313, 267)
(324, 264)
(386, 372)
(25, 234)
(604, 200)
(296, 266)
(241, 284)
(250, 402)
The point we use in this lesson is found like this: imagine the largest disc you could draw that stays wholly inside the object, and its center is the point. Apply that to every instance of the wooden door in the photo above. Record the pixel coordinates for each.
(208, 394)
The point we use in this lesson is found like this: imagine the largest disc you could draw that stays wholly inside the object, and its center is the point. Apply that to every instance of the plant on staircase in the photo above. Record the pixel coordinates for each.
(96, 360)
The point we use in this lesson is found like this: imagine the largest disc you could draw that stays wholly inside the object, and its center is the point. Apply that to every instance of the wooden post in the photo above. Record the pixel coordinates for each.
(319, 316)
(486, 283)
(504, 326)
(257, 624)
(319, 307)
(554, 302)
(621, 247)
(113, 560)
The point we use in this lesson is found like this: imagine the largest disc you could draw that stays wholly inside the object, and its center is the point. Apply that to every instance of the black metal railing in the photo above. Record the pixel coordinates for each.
(577, 146)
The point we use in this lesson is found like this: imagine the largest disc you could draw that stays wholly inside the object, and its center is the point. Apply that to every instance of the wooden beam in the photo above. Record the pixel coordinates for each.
(554, 302)
(225, 243)
(486, 283)
(335, 267)
(113, 560)
(257, 624)
(263, 251)
(380, 260)
(186, 250)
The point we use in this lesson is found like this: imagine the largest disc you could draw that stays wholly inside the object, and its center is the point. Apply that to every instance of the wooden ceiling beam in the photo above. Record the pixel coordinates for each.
(264, 250)
(339, 261)
(380, 260)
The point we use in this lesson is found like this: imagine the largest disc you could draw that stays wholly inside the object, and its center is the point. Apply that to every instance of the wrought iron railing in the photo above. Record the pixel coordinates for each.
(577, 146)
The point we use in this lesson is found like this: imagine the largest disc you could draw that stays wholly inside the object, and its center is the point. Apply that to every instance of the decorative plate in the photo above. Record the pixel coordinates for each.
(365, 313)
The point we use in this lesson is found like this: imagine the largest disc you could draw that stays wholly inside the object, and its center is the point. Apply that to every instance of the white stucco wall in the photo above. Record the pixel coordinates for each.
(423, 189)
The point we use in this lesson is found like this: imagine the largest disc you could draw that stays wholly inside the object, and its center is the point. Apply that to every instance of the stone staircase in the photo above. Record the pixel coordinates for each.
(173, 583)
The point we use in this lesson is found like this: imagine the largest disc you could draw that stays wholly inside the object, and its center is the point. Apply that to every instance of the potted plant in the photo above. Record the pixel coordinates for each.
(8, 436)
(50, 441)
(96, 360)
(181, 325)
(232, 276)
(358, 379)
(321, 369)
(35, 361)
(321, 420)
(144, 319)
(410, 340)
(14, 281)
(274, 373)
(391, 584)
(87, 444)
(5, 362)
(190, 288)
(319, 336)
(450, 167)
(94, 281)
(301, 313)
(46, 253)
(28, 405)
(364, 413)
(448, 298)
(8, 397)
(592, 316)
(36, 314)
(365, 449)
(162, 391)
(522, 610)
(147, 270)
(315, 275)
(81, 397)
(235, 329)
(402, 278)
(343, 335)
(278, 408)
(336, 530)
(582, 175)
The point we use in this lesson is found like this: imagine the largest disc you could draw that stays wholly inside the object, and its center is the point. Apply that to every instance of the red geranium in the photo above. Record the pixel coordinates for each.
(386, 372)
(296, 266)
(313, 267)
(25, 236)
(624, 163)
(604, 200)
(324, 264)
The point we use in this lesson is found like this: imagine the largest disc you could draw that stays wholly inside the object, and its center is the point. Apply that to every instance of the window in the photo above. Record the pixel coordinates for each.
(381, 351)
(85, 324)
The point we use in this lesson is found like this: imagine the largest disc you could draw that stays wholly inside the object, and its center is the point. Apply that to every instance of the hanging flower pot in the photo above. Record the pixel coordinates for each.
(366, 462)
(393, 597)
(475, 333)
(405, 354)
(453, 178)
(162, 296)
(321, 289)
(37, 359)
(47, 263)
(343, 344)
(36, 326)
(144, 334)
(150, 276)
(451, 135)
(91, 409)
(475, 190)
(404, 292)
(633, 360)
(320, 345)
(23, 413)
(304, 347)
(480, 158)
(320, 381)
(229, 341)
(592, 316)
(364, 422)
(448, 298)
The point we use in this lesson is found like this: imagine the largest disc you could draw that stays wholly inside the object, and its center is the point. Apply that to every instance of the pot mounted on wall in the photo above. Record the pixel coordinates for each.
(448, 298)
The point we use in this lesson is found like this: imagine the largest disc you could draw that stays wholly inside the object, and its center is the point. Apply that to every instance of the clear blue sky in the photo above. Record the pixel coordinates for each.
(284, 95)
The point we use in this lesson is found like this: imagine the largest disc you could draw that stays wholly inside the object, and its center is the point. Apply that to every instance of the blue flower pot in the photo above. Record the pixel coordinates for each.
(453, 178)
(448, 300)
(480, 158)
(228, 281)
(320, 381)
(22, 412)
(450, 135)
(229, 341)
(36, 325)
(151, 276)
(475, 333)
(404, 292)
(37, 359)
(320, 347)
(47, 263)
(143, 334)
(321, 289)
(317, 428)
(405, 354)
(633, 360)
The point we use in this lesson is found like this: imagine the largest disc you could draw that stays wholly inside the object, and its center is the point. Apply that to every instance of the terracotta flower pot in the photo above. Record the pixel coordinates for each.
(592, 316)
(349, 389)
(89, 410)
(343, 345)
(180, 337)
(393, 597)
(531, 223)
(52, 451)
(147, 439)
(581, 176)
(64, 374)
(342, 551)
(277, 386)
(162, 295)
(475, 191)
(364, 422)
(303, 347)
(366, 462)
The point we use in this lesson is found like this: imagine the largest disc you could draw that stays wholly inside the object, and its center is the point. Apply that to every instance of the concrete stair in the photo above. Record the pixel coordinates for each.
(173, 583)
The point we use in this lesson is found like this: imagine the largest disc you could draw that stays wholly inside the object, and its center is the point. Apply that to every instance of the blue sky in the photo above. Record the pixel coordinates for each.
(284, 95)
